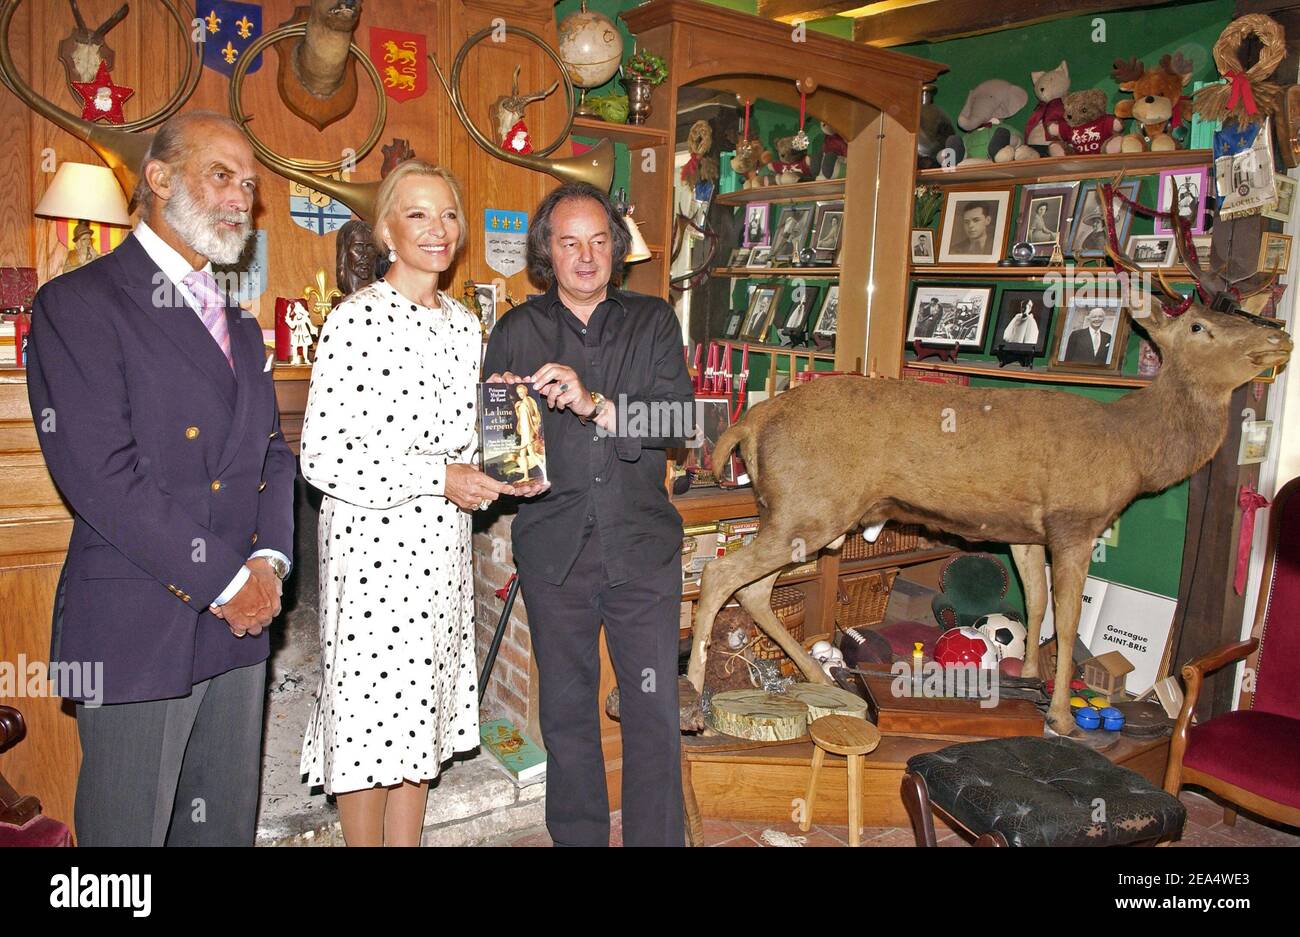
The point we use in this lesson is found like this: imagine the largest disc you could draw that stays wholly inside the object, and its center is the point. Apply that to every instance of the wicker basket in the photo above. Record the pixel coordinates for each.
(895, 538)
(862, 598)
(788, 603)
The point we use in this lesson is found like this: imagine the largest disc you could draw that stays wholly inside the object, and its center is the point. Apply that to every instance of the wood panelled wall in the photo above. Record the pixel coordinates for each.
(148, 59)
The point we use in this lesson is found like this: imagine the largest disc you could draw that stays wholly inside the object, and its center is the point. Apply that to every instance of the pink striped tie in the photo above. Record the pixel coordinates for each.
(204, 287)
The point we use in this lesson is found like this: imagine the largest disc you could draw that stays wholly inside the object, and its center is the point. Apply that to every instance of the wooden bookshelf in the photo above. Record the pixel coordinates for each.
(1055, 168)
(632, 136)
(1017, 373)
(757, 273)
(921, 271)
(825, 190)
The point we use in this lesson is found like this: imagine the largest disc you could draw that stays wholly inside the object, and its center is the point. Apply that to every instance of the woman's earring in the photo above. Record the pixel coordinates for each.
(392, 255)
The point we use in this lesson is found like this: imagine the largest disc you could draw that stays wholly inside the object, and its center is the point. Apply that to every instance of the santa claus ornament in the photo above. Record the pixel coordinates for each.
(101, 99)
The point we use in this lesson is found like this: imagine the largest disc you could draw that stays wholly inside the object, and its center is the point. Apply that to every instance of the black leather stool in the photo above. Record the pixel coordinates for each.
(1036, 792)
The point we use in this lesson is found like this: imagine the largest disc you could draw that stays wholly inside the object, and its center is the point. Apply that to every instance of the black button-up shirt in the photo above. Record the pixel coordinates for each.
(630, 350)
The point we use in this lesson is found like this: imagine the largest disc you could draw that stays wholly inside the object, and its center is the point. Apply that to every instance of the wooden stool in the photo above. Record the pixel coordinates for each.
(841, 735)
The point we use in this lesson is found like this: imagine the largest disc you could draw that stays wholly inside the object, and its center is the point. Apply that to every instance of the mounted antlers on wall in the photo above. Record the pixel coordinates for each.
(84, 48)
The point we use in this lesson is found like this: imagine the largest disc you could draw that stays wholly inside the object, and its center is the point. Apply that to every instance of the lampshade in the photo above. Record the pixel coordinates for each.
(84, 192)
(638, 250)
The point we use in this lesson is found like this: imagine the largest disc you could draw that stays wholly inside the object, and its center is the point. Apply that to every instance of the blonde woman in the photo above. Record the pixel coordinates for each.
(388, 435)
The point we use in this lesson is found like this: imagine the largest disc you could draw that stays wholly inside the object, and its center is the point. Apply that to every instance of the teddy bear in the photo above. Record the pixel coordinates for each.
(1087, 126)
(749, 159)
(986, 135)
(791, 164)
(1158, 104)
(1050, 87)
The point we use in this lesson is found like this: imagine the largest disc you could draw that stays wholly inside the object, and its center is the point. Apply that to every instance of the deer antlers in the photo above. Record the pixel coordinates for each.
(1131, 70)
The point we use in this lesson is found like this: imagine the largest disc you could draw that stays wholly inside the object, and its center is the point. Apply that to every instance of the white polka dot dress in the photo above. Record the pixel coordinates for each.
(391, 403)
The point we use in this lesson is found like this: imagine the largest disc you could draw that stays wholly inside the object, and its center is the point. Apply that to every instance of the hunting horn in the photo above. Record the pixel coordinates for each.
(358, 196)
(596, 166)
(121, 146)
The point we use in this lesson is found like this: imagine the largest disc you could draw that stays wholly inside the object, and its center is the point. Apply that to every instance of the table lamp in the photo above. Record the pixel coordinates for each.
(87, 193)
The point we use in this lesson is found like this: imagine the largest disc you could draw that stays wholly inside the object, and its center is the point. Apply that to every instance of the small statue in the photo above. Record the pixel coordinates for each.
(82, 250)
(357, 260)
(302, 333)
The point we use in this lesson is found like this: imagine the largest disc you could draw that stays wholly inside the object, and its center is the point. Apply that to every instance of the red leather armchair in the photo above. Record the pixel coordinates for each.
(21, 822)
(1251, 757)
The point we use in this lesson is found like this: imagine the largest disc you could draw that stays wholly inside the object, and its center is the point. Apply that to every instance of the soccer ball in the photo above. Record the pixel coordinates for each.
(959, 646)
(1007, 634)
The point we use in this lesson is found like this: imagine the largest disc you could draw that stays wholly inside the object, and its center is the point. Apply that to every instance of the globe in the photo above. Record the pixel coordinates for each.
(591, 47)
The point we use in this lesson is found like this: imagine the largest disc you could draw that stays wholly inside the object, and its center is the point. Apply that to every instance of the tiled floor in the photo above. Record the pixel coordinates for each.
(1204, 828)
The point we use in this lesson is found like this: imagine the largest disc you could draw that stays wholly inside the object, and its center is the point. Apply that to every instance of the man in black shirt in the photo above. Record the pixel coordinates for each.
(603, 544)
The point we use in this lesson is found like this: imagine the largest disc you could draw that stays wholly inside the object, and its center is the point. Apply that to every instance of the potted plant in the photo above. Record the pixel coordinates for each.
(642, 73)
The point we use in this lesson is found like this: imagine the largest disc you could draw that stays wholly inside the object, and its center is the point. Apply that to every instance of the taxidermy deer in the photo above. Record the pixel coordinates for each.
(321, 55)
(508, 110)
(1043, 471)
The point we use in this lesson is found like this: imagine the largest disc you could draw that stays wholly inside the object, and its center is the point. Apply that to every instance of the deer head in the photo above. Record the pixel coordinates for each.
(508, 110)
(84, 48)
(323, 51)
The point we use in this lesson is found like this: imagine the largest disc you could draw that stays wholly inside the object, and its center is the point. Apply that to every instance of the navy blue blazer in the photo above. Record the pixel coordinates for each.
(173, 465)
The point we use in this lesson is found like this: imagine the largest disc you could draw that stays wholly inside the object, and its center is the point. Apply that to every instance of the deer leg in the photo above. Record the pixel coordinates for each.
(1031, 562)
(757, 600)
(1069, 570)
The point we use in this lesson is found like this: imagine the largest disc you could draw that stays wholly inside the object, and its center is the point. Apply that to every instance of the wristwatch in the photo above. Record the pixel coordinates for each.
(278, 566)
(599, 401)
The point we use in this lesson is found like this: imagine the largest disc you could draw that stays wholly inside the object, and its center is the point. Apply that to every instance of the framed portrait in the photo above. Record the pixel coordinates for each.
(1152, 251)
(1024, 322)
(1255, 438)
(950, 315)
(1092, 336)
(756, 224)
(486, 294)
(974, 226)
(762, 308)
(790, 234)
(732, 327)
(1044, 215)
(829, 314)
(1274, 252)
(760, 257)
(739, 257)
(1189, 187)
(922, 246)
(1088, 232)
(803, 300)
(714, 419)
(1281, 211)
(828, 230)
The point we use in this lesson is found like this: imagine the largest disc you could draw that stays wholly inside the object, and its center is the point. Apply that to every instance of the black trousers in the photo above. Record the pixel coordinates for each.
(641, 620)
(175, 772)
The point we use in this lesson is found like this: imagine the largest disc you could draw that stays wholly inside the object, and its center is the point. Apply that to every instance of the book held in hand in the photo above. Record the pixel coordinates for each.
(511, 445)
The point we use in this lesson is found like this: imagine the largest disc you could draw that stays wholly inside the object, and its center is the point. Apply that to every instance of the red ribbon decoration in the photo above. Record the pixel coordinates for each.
(1241, 92)
(745, 136)
(1250, 501)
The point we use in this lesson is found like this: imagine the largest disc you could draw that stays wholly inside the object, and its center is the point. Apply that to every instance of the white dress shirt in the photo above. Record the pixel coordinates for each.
(176, 268)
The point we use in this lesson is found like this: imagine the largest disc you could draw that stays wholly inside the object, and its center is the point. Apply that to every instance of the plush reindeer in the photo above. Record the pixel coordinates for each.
(1022, 467)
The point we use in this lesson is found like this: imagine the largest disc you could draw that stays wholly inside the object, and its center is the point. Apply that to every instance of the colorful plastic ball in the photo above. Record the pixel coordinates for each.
(1007, 634)
(1078, 702)
(960, 646)
(1087, 717)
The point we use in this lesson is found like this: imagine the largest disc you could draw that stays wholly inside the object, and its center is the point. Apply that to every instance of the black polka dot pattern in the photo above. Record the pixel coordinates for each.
(391, 403)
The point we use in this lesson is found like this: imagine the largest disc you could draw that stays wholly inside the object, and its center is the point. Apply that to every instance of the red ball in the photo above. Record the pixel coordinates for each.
(960, 646)
(1011, 666)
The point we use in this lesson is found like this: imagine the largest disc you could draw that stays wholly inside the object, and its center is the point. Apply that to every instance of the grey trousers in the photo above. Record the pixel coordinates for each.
(175, 772)
(641, 620)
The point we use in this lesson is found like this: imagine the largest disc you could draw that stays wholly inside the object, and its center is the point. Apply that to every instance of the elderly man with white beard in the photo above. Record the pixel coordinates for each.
(158, 422)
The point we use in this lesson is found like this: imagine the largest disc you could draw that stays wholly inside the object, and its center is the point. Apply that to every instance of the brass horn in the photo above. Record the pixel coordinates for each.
(595, 166)
(358, 196)
(120, 146)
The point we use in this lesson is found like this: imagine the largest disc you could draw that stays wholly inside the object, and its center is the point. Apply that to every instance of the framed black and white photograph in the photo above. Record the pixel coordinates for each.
(486, 294)
(1024, 322)
(762, 308)
(790, 233)
(1044, 215)
(829, 314)
(974, 226)
(1274, 252)
(1088, 233)
(1256, 435)
(803, 301)
(1189, 187)
(1152, 251)
(734, 319)
(1285, 195)
(756, 224)
(760, 257)
(828, 230)
(950, 315)
(922, 246)
(1092, 336)
(739, 258)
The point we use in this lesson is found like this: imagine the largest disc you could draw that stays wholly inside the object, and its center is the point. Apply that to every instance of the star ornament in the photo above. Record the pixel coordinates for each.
(101, 99)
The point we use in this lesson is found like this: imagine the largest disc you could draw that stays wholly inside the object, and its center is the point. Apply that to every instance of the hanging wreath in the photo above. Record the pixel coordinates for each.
(1248, 97)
